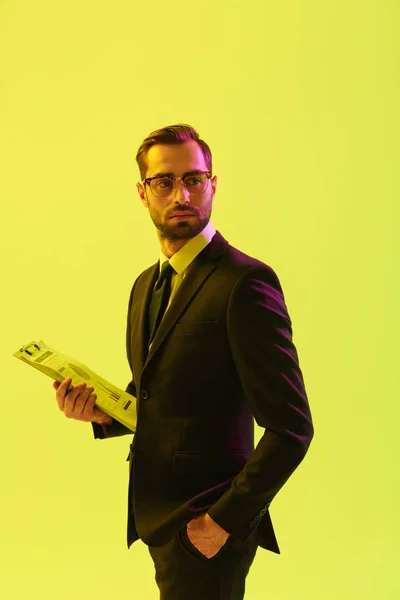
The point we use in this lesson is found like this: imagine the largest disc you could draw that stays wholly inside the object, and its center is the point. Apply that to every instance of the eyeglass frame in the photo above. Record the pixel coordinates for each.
(174, 179)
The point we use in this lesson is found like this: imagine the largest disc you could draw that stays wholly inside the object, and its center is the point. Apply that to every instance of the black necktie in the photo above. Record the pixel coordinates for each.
(159, 300)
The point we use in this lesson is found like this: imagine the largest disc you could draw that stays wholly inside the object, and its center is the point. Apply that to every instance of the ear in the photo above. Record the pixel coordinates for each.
(141, 193)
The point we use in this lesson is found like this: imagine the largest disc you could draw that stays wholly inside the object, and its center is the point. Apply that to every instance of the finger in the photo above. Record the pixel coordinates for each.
(61, 391)
(81, 402)
(88, 412)
(71, 398)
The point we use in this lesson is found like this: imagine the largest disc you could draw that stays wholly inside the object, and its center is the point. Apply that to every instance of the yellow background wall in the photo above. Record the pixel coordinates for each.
(299, 102)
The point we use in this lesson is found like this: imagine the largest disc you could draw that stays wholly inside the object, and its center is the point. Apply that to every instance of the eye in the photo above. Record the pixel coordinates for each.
(192, 180)
(164, 182)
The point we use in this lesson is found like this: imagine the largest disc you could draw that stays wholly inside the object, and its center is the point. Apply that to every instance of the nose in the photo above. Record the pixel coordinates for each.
(181, 192)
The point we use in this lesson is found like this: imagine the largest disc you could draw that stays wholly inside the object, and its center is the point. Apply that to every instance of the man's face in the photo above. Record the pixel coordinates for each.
(178, 159)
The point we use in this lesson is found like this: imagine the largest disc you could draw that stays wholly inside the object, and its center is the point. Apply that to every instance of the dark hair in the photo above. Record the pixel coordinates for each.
(173, 134)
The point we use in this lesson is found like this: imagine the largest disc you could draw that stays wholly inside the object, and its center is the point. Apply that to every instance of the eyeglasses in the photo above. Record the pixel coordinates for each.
(163, 186)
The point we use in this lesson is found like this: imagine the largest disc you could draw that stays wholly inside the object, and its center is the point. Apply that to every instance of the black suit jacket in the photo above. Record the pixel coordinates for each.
(222, 355)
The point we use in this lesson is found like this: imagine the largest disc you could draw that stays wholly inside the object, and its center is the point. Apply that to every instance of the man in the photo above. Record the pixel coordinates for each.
(209, 343)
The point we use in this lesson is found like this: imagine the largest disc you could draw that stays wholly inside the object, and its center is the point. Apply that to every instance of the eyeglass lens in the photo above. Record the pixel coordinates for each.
(163, 186)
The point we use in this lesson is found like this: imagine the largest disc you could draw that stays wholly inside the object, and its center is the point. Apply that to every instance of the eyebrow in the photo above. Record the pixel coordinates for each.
(170, 174)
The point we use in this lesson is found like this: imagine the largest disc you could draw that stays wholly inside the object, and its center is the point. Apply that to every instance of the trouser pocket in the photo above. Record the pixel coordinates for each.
(190, 549)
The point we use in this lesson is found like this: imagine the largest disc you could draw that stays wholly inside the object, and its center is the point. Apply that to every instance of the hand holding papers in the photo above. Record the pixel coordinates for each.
(79, 403)
(110, 399)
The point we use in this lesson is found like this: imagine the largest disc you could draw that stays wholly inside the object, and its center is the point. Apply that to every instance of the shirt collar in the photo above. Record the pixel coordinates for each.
(185, 255)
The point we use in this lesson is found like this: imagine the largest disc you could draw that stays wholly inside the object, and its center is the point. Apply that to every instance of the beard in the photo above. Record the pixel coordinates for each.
(180, 229)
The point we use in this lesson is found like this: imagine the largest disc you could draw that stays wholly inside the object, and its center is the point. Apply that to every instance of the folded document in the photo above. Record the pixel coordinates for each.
(110, 399)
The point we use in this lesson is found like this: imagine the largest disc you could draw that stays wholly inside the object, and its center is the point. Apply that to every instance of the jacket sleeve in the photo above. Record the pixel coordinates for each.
(116, 428)
(260, 337)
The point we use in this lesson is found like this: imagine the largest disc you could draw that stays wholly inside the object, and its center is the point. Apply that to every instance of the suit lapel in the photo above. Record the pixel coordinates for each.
(201, 268)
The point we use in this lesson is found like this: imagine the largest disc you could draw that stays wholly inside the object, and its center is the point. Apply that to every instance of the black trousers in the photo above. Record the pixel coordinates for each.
(183, 573)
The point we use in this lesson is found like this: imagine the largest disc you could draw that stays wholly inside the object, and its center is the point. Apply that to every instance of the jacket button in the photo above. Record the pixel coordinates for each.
(144, 394)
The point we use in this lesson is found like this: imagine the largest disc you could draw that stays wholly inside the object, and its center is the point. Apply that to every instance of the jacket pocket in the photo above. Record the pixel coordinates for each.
(194, 328)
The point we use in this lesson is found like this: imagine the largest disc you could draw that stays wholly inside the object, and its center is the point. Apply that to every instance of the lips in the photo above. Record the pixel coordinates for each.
(183, 215)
